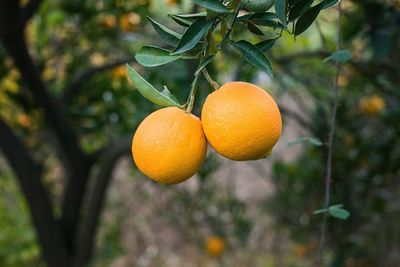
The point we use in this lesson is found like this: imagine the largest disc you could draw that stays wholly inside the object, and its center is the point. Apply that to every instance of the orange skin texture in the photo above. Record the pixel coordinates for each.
(241, 121)
(169, 145)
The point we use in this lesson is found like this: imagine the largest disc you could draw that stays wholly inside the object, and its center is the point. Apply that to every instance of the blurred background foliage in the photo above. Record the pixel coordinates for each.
(205, 222)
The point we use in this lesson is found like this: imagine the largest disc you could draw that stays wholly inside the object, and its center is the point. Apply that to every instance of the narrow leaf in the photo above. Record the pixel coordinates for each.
(263, 16)
(320, 211)
(266, 19)
(192, 35)
(280, 9)
(204, 63)
(168, 94)
(213, 5)
(151, 56)
(329, 3)
(149, 92)
(244, 18)
(310, 140)
(299, 9)
(254, 29)
(340, 56)
(266, 45)
(336, 206)
(307, 19)
(181, 21)
(339, 213)
(169, 36)
(254, 56)
(193, 16)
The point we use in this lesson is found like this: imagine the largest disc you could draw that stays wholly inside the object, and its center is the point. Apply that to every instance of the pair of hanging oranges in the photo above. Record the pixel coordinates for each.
(240, 120)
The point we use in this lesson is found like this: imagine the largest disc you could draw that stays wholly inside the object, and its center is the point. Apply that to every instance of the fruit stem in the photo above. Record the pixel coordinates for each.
(213, 83)
(192, 94)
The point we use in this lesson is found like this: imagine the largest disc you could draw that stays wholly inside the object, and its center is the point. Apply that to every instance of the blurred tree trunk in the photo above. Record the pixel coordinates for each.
(65, 241)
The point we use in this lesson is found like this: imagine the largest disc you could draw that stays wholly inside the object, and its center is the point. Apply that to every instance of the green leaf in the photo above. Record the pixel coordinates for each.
(329, 3)
(254, 29)
(299, 9)
(263, 16)
(266, 45)
(192, 16)
(311, 140)
(305, 21)
(151, 56)
(204, 63)
(267, 19)
(338, 212)
(162, 99)
(257, 16)
(280, 9)
(167, 35)
(168, 94)
(254, 56)
(340, 56)
(320, 211)
(244, 18)
(336, 206)
(192, 35)
(181, 21)
(213, 5)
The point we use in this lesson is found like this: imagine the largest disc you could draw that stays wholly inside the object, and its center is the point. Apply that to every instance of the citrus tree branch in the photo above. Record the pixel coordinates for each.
(28, 11)
(107, 160)
(328, 177)
(73, 87)
(74, 158)
(29, 179)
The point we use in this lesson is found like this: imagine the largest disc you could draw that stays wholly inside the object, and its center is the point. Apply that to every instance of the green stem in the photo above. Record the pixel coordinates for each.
(192, 94)
(230, 28)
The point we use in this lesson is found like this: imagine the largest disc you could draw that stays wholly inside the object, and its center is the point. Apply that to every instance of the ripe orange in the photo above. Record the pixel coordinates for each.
(169, 145)
(215, 246)
(241, 121)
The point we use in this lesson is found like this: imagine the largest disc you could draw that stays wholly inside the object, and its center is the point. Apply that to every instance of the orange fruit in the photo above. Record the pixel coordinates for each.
(241, 121)
(372, 105)
(108, 21)
(129, 22)
(171, 2)
(215, 246)
(169, 145)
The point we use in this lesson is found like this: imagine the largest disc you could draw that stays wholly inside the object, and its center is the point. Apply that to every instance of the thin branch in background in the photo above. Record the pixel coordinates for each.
(328, 176)
(77, 81)
(322, 36)
(108, 158)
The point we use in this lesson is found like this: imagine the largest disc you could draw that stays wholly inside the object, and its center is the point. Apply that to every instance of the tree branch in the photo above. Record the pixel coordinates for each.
(28, 175)
(107, 160)
(72, 88)
(328, 176)
(27, 11)
(76, 160)
(292, 57)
